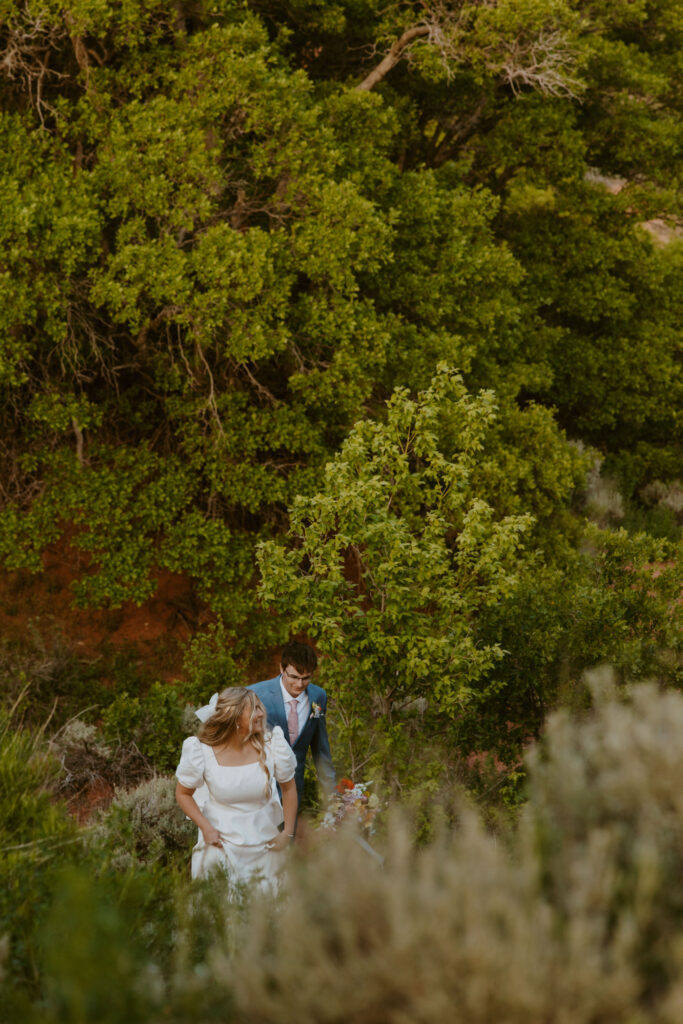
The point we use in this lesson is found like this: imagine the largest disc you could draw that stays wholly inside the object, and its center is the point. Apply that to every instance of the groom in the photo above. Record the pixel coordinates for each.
(298, 706)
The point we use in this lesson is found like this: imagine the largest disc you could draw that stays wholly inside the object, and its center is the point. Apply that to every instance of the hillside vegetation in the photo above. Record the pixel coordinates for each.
(360, 322)
(574, 917)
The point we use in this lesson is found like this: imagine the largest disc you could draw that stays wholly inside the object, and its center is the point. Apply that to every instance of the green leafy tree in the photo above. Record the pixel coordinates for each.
(194, 340)
(212, 314)
(448, 622)
(389, 566)
(227, 237)
(577, 166)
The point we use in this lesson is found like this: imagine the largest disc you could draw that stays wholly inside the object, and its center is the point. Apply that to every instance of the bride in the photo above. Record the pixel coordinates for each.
(237, 809)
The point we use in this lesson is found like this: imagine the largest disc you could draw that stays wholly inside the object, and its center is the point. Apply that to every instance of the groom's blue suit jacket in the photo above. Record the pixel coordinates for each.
(313, 734)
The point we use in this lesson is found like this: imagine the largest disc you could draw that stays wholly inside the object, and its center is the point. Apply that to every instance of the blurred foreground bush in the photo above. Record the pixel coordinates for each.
(575, 917)
(578, 919)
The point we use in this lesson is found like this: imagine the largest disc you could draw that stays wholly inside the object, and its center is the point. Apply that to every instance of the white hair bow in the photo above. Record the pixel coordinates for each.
(205, 713)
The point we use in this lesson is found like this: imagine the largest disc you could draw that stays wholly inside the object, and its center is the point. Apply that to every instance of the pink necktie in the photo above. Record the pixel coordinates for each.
(292, 722)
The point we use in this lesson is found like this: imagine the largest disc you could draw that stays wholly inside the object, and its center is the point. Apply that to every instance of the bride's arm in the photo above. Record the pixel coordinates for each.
(290, 804)
(188, 805)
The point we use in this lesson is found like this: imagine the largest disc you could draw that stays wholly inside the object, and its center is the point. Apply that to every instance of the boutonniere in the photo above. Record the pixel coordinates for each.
(316, 710)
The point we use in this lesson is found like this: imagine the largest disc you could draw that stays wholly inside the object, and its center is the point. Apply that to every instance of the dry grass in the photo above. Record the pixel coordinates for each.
(91, 766)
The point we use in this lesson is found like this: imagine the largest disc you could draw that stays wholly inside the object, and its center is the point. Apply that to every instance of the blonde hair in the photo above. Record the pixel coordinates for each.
(224, 723)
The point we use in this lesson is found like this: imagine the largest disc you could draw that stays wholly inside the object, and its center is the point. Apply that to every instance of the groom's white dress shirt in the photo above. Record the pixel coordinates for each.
(303, 705)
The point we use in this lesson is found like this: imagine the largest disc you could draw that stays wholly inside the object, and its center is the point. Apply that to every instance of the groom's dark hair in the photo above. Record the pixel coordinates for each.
(301, 656)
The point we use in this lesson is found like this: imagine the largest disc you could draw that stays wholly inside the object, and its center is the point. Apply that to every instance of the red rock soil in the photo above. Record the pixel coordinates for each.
(155, 632)
(153, 635)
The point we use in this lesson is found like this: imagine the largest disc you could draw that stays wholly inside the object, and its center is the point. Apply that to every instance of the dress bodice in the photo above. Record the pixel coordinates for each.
(239, 800)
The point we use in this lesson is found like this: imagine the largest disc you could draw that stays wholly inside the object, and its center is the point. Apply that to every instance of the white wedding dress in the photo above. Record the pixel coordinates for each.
(233, 798)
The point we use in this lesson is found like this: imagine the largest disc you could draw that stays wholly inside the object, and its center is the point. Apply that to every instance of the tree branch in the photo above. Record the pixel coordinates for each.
(392, 58)
(543, 58)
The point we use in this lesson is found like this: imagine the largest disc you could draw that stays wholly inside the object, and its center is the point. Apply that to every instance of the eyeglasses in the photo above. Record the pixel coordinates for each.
(298, 679)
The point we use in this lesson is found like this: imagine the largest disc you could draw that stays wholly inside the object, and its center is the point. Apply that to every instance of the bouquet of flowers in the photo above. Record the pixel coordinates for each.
(351, 801)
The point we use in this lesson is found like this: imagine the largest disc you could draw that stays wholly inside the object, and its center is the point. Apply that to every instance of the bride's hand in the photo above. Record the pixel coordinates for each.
(281, 842)
(212, 837)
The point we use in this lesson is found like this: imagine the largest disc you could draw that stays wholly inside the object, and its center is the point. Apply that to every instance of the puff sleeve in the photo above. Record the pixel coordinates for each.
(284, 758)
(190, 771)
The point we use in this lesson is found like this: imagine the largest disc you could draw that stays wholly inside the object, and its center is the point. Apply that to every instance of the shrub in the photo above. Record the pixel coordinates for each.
(210, 665)
(107, 940)
(155, 723)
(41, 666)
(89, 762)
(46, 678)
(576, 918)
(144, 825)
(584, 922)
(605, 824)
(36, 833)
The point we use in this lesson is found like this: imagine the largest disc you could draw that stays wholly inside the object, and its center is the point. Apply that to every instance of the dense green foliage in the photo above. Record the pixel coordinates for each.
(362, 316)
(364, 287)
(445, 620)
